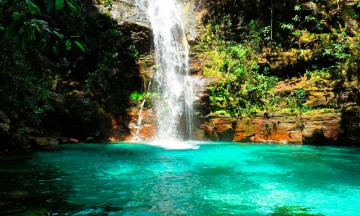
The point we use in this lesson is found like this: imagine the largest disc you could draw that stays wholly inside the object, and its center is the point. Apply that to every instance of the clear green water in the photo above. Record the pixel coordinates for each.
(215, 179)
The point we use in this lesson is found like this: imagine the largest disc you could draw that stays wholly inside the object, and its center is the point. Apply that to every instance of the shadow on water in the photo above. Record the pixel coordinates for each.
(40, 189)
(25, 188)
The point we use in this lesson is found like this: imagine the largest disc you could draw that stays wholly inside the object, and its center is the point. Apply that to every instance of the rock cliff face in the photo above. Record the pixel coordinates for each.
(132, 21)
(131, 130)
(317, 127)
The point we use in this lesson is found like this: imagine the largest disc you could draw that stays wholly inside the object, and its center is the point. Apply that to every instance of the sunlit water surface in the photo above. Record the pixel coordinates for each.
(206, 179)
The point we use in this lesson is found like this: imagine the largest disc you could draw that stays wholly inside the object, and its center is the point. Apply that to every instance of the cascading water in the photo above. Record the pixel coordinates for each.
(174, 99)
(139, 121)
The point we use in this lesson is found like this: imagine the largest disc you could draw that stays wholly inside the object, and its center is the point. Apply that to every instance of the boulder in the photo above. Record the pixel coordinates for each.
(45, 141)
(210, 132)
(200, 134)
(224, 128)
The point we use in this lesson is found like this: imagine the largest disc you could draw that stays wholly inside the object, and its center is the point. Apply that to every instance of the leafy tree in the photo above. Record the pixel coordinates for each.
(55, 49)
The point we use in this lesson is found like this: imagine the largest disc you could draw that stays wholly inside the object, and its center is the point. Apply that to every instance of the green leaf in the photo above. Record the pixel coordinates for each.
(36, 27)
(61, 36)
(59, 4)
(41, 22)
(55, 50)
(28, 32)
(72, 6)
(16, 15)
(68, 45)
(33, 8)
(80, 45)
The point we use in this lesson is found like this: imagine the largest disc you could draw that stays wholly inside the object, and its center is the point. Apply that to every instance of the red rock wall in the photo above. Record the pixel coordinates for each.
(318, 127)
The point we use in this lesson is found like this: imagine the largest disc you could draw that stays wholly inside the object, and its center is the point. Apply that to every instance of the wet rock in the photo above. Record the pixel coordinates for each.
(147, 132)
(131, 131)
(223, 128)
(322, 126)
(278, 129)
(145, 70)
(314, 127)
(210, 132)
(68, 140)
(244, 130)
(44, 141)
(200, 134)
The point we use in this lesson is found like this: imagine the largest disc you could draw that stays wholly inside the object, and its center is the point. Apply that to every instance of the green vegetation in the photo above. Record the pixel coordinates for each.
(242, 89)
(259, 53)
(56, 51)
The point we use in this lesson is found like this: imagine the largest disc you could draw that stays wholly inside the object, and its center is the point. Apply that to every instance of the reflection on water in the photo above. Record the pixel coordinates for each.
(222, 178)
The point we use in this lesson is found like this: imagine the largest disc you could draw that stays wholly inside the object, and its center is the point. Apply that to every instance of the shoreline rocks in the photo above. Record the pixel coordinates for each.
(314, 127)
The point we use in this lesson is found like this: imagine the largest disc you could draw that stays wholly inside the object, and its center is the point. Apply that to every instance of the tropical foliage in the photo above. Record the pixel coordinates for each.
(54, 48)
(261, 44)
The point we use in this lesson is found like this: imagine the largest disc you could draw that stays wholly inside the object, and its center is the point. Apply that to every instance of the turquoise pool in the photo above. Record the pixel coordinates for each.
(209, 179)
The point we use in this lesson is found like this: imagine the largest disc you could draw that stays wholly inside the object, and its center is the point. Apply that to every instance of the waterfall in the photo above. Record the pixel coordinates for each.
(172, 82)
(139, 122)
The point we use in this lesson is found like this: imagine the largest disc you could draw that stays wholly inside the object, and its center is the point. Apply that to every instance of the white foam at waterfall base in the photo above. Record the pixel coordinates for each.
(174, 144)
